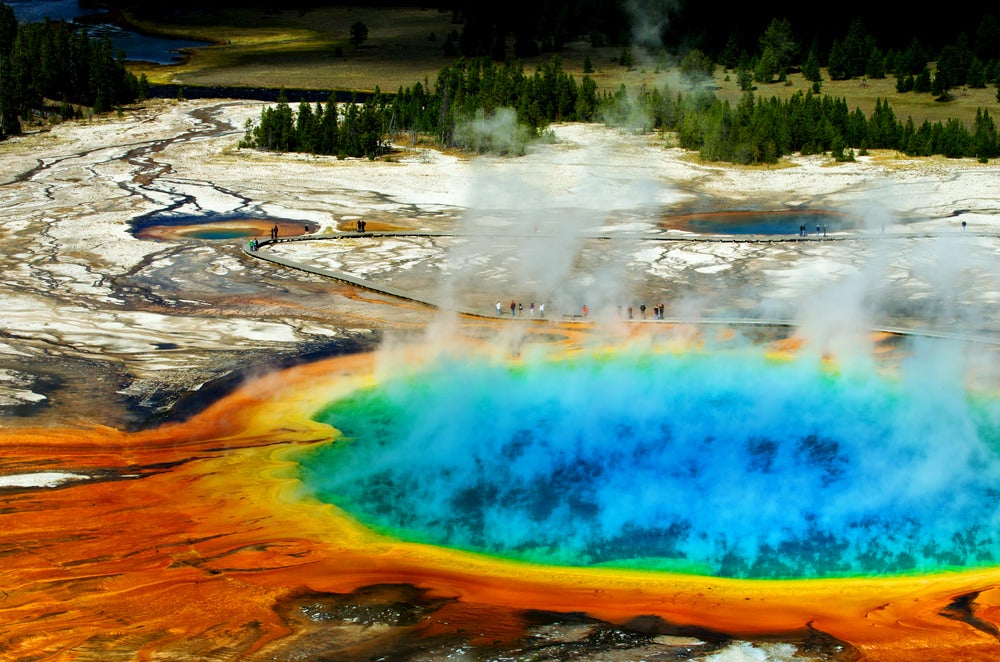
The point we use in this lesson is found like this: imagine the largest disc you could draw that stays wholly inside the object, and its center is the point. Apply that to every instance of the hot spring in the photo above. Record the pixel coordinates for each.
(761, 222)
(729, 463)
(216, 227)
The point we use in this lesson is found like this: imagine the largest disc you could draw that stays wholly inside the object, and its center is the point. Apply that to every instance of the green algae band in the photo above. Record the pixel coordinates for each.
(728, 463)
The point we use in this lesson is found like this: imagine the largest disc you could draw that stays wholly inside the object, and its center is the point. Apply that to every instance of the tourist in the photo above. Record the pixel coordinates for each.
(541, 310)
(513, 307)
(531, 309)
(585, 311)
(499, 312)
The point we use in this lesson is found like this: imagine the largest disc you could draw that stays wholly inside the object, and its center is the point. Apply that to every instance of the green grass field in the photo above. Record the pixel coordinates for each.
(311, 50)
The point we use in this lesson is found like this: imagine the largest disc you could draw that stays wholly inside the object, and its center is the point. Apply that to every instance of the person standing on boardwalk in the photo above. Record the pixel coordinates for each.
(513, 307)
(499, 311)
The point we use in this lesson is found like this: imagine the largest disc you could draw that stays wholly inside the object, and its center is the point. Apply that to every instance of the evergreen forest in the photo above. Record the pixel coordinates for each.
(470, 100)
(485, 99)
(54, 68)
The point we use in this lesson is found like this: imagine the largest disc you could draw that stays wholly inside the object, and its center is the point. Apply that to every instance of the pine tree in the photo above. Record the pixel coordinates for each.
(836, 64)
(767, 67)
(984, 137)
(276, 131)
(730, 56)
(875, 65)
(586, 100)
(857, 48)
(744, 74)
(922, 83)
(811, 69)
(883, 129)
(329, 131)
(987, 38)
(359, 34)
(856, 131)
(780, 41)
(914, 59)
(977, 74)
(956, 141)
(9, 124)
(305, 129)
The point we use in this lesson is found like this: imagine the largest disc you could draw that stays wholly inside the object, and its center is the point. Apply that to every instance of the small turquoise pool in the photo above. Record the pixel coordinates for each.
(220, 233)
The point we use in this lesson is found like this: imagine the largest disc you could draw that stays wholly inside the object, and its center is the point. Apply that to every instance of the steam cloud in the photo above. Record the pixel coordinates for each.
(721, 463)
(648, 19)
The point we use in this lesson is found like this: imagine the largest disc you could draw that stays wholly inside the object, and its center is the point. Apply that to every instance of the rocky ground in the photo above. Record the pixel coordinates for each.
(128, 299)
(100, 324)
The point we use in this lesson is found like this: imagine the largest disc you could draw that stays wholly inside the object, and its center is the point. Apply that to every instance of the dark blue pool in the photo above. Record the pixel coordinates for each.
(760, 222)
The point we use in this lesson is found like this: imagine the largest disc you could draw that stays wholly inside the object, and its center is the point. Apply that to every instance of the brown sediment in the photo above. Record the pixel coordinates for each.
(373, 226)
(207, 532)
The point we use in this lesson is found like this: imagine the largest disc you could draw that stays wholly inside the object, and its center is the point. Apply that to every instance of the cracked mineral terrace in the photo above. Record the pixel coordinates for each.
(99, 320)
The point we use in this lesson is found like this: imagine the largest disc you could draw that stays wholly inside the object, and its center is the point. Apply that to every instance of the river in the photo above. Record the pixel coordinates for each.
(137, 46)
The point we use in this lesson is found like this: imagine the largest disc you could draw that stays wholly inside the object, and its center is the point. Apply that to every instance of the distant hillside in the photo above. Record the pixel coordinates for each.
(679, 24)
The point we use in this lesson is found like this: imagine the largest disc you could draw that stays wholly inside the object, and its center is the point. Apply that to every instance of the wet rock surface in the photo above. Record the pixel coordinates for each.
(400, 622)
(96, 318)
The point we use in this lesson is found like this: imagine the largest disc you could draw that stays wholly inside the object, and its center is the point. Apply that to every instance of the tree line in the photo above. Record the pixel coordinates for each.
(356, 130)
(761, 130)
(965, 61)
(485, 104)
(465, 108)
(474, 91)
(456, 110)
(55, 61)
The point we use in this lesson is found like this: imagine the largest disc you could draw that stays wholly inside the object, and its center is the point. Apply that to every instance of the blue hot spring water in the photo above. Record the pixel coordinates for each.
(720, 463)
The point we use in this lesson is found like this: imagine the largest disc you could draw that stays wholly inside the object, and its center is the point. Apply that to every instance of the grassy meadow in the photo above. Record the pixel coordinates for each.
(311, 49)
